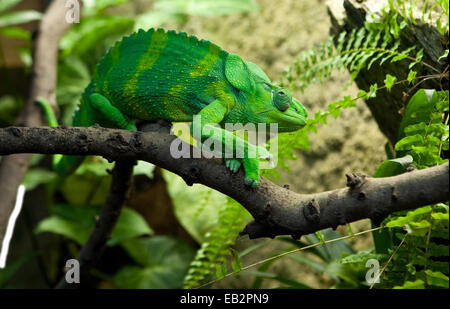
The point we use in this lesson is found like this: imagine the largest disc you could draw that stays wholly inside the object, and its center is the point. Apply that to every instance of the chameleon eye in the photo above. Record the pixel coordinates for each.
(281, 101)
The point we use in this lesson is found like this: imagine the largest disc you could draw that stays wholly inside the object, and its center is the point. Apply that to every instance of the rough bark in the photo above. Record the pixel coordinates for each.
(386, 107)
(276, 210)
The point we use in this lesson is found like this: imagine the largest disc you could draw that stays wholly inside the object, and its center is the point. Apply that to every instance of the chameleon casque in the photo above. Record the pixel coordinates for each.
(158, 74)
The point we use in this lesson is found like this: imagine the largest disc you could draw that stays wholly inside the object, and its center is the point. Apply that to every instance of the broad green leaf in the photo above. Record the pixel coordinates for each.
(69, 229)
(130, 224)
(196, 207)
(393, 167)
(162, 263)
(19, 17)
(77, 222)
(419, 109)
(435, 278)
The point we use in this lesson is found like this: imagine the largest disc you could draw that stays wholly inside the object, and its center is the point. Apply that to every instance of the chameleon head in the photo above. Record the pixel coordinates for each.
(261, 101)
(275, 105)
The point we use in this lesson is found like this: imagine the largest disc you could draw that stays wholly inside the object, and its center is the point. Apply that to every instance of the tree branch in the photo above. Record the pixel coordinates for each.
(276, 210)
(121, 176)
(43, 82)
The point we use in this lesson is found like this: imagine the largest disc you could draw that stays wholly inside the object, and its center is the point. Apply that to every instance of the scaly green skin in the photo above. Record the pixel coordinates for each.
(160, 74)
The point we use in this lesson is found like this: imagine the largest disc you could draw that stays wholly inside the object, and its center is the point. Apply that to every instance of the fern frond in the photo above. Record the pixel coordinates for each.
(213, 255)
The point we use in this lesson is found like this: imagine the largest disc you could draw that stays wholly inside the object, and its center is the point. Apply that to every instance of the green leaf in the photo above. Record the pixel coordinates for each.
(409, 142)
(19, 17)
(411, 76)
(389, 81)
(195, 206)
(393, 167)
(130, 224)
(77, 222)
(162, 263)
(372, 91)
(236, 263)
(419, 109)
(410, 218)
(419, 55)
(436, 278)
(399, 57)
(445, 55)
(69, 229)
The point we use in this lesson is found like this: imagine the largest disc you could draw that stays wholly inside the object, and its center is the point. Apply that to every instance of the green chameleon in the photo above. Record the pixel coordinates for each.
(158, 74)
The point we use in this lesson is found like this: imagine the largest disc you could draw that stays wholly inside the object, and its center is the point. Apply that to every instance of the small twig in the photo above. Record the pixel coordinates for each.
(91, 251)
(387, 263)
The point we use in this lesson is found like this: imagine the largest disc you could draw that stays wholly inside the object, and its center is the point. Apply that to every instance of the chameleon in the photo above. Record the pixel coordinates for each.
(167, 75)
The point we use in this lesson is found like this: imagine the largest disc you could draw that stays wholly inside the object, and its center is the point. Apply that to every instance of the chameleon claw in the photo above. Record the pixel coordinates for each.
(233, 165)
(251, 182)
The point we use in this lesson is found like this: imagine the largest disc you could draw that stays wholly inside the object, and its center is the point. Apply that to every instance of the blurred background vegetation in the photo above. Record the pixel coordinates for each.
(171, 235)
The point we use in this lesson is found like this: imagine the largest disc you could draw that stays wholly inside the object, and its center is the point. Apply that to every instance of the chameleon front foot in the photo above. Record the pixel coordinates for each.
(233, 165)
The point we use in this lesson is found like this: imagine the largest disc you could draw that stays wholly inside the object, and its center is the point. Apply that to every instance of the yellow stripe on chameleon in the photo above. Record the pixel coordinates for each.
(174, 105)
(158, 42)
(217, 90)
(204, 65)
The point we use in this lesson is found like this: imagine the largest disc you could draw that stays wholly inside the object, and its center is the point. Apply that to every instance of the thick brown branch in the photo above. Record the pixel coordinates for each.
(276, 210)
(43, 82)
(121, 176)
